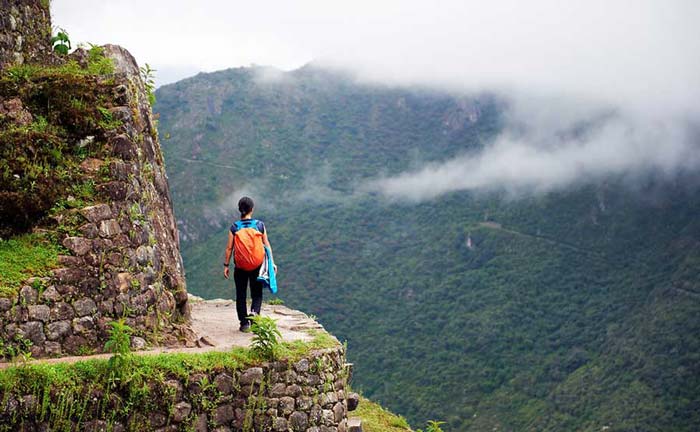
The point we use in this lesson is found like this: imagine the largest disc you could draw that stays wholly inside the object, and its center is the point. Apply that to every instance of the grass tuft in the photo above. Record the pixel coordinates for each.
(23, 257)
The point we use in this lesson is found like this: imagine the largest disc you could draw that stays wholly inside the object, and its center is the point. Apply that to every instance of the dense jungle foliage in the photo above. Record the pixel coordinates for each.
(574, 310)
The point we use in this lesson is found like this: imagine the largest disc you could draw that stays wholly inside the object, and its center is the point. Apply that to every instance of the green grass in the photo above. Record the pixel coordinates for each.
(22, 257)
(68, 391)
(377, 419)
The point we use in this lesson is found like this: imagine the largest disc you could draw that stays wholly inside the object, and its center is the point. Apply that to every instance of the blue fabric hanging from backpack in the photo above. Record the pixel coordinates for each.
(267, 272)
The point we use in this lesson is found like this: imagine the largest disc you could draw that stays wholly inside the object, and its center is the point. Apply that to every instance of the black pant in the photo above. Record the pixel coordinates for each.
(241, 278)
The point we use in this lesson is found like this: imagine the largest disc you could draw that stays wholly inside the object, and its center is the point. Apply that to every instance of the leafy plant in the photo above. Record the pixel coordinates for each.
(119, 343)
(61, 42)
(276, 301)
(265, 336)
(98, 63)
(433, 426)
(148, 78)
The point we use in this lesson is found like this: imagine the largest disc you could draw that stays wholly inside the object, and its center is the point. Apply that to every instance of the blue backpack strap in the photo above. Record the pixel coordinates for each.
(246, 223)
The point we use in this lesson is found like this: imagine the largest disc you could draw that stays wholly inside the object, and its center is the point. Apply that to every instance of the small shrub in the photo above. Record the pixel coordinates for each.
(148, 78)
(61, 42)
(433, 426)
(119, 343)
(276, 301)
(265, 337)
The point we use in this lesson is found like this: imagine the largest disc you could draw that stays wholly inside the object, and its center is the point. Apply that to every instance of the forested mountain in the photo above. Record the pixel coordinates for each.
(572, 310)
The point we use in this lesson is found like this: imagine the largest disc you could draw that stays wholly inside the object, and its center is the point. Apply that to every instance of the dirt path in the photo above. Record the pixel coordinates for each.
(216, 326)
(499, 227)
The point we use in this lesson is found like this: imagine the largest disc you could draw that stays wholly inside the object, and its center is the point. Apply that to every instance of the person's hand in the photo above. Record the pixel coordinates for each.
(226, 272)
(274, 266)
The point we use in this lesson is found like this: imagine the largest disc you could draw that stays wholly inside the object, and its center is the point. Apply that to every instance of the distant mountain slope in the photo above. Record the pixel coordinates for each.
(569, 311)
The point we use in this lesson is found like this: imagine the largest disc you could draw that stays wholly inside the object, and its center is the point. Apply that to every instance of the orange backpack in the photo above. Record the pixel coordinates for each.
(248, 249)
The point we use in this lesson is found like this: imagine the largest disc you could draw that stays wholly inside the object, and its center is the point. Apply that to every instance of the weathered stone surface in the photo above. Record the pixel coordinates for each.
(51, 295)
(89, 230)
(354, 424)
(302, 366)
(293, 390)
(114, 190)
(34, 331)
(52, 348)
(224, 383)
(280, 424)
(200, 425)
(97, 213)
(278, 390)
(339, 411)
(304, 403)
(328, 399)
(353, 401)
(123, 147)
(299, 421)
(28, 295)
(180, 411)
(138, 343)
(70, 261)
(78, 245)
(157, 419)
(327, 417)
(252, 375)
(109, 228)
(14, 111)
(224, 414)
(315, 414)
(84, 306)
(69, 276)
(5, 304)
(287, 405)
(91, 165)
(62, 311)
(39, 313)
(83, 324)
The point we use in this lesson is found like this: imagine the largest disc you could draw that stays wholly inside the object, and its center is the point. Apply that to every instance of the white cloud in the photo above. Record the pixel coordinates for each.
(551, 146)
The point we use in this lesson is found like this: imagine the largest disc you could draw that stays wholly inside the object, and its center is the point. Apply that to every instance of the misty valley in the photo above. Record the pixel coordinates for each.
(548, 291)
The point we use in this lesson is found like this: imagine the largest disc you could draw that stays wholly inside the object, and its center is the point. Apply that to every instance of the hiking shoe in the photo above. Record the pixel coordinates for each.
(245, 327)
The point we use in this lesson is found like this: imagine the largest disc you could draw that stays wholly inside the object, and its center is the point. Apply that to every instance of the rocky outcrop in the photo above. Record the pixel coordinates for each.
(25, 32)
(122, 256)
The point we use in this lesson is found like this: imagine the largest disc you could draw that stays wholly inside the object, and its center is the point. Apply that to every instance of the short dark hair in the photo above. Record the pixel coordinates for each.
(245, 205)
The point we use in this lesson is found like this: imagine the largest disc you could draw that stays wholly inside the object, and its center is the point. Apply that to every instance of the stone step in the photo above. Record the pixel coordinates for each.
(354, 424)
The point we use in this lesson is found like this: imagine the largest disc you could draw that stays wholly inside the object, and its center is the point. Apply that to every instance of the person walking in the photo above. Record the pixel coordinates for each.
(246, 240)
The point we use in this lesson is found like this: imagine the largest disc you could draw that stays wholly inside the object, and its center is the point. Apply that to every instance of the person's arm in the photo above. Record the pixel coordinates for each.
(266, 242)
(229, 251)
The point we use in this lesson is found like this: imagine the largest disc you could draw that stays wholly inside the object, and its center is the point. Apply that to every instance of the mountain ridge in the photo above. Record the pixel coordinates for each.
(446, 317)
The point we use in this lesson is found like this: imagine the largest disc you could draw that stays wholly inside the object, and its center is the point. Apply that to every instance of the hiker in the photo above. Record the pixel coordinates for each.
(246, 240)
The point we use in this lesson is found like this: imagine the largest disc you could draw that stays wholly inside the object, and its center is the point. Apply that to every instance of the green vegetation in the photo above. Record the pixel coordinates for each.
(61, 42)
(432, 426)
(119, 343)
(40, 160)
(22, 257)
(579, 311)
(18, 347)
(377, 419)
(148, 78)
(67, 392)
(266, 337)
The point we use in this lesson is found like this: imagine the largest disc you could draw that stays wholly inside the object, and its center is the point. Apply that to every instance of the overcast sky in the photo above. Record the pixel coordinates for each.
(639, 49)
(637, 58)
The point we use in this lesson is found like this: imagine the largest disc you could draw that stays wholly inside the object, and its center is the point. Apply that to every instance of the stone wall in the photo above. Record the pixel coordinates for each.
(25, 32)
(124, 258)
(309, 395)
